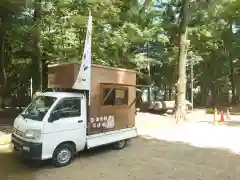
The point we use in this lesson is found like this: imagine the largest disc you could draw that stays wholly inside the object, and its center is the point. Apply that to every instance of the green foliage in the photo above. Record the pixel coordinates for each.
(129, 34)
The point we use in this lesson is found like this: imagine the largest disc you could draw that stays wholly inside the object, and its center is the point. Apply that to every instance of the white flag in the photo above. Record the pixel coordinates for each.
(83, 81)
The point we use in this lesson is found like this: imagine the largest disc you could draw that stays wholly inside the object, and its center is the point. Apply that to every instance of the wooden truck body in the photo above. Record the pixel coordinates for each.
(113, 94)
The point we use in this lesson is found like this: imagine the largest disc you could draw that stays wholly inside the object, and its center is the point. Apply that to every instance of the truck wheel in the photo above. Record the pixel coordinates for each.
(120, 144)
(63, 155)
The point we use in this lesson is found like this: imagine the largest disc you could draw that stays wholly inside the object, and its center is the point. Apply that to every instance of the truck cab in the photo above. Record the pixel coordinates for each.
(54, 126)
(52, 119)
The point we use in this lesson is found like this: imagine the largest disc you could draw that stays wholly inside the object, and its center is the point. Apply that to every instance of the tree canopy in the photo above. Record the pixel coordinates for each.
(135, 34)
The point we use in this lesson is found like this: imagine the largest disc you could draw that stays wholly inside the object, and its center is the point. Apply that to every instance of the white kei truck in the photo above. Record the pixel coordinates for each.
(59, 121)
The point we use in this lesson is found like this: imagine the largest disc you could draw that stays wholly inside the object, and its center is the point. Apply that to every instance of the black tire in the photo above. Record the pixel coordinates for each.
(162, 111)
(120, 144)
(68, 148)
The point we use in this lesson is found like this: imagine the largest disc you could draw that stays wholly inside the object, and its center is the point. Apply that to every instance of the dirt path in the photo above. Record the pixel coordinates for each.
(142, 159)
(148, 157)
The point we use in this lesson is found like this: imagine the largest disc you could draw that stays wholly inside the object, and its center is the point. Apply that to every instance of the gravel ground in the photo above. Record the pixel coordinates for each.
(190, 151)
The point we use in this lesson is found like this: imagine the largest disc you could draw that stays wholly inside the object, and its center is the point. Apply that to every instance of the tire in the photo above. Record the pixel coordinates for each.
(120, 144)
(162, 111)
(66, 150)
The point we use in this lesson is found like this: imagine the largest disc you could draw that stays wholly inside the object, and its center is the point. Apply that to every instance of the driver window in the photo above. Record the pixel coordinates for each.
(69, 107)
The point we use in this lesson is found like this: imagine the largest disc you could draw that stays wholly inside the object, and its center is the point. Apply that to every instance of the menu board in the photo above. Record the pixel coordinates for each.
(105, 122)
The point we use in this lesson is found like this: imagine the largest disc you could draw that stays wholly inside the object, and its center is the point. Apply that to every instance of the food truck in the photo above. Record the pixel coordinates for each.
(62, 121)
(85, 106)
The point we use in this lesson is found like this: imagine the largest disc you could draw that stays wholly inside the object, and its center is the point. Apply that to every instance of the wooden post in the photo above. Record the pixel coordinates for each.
(215, 116)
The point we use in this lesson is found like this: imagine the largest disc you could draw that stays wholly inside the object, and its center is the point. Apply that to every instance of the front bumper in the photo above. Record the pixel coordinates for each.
(26, 149)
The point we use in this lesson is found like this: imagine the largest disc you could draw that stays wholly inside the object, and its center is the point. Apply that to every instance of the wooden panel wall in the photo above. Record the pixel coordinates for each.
(65, 75)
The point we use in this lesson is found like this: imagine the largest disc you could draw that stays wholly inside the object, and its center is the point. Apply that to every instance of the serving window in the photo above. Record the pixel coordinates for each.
(114, 96)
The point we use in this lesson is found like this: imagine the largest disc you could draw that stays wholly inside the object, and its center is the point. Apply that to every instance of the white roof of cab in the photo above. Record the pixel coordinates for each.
(62, 94)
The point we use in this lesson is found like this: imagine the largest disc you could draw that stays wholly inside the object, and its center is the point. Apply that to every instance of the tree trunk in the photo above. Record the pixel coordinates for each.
(214, 95)
(231, 65)
(36, 55)
(232, 79)
(181, 84)
(237, 87)
(204, 95)
(3, 75)
(165, 92)
(170, 93)
(44, 74)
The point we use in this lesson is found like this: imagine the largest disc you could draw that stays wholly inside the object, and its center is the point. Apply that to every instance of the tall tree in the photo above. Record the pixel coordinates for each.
(36, 53)
(184, 43)
(3, 75)
(9, 8)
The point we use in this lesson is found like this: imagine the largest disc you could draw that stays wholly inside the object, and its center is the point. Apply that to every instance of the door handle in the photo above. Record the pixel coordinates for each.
(80, 121)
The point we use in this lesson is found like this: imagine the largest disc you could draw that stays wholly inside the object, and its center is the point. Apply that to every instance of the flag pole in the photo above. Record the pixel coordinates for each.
(90, 86)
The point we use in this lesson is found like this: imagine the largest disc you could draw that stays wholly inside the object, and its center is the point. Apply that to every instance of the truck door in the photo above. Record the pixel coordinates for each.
(66, 123)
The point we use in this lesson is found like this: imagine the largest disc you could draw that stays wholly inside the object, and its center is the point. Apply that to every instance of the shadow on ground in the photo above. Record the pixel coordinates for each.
(225, 123)
(143, 158)
(230, 123)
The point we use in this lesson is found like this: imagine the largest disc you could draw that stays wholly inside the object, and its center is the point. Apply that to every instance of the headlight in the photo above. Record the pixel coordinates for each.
(33, 134)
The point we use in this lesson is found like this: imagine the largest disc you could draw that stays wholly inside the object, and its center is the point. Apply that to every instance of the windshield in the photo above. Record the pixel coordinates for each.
(39, 107)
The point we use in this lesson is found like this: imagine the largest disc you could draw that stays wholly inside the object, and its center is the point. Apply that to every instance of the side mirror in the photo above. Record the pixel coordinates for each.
(55, 115)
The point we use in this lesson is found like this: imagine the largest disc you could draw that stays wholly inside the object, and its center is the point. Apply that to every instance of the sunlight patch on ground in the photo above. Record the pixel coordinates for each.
(6, 149)
(147, 121)
(202, 135)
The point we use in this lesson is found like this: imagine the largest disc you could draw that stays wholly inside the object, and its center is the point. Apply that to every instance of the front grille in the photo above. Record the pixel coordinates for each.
(18, 132)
